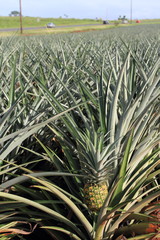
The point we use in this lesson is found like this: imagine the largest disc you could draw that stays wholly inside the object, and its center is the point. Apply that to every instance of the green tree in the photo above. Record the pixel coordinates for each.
(14, 14)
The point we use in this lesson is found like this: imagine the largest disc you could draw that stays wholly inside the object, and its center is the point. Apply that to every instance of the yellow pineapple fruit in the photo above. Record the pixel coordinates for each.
(95, 195)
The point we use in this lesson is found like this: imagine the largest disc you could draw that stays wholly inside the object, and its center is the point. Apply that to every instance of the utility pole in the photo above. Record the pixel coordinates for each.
(20, 8)
(131, 11)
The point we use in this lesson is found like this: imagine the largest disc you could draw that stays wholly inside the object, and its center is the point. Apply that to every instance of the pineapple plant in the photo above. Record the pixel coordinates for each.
(96, 166)
(108, 172)
(93, 157)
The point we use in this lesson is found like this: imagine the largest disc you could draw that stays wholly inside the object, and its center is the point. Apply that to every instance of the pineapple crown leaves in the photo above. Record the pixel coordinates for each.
(94, 154)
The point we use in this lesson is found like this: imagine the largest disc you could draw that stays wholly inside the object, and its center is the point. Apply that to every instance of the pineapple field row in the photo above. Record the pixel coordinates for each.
(80, 135)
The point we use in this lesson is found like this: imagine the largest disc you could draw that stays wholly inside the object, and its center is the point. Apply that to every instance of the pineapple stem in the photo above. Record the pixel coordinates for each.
(100, 231)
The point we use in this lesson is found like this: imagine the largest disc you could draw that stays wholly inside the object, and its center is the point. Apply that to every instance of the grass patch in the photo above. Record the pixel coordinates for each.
(13, 22)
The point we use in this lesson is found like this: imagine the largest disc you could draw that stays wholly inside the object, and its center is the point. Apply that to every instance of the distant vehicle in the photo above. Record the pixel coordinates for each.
(124, 21)
(51, 25)
(105, 22)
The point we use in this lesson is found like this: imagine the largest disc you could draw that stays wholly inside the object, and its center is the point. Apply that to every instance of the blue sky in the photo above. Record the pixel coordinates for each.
(105, 9)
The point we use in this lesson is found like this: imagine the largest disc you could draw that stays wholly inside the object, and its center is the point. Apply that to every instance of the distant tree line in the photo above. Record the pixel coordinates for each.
(122, 18)
(14, 14)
